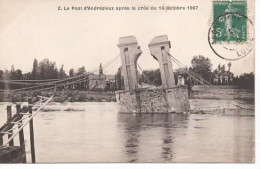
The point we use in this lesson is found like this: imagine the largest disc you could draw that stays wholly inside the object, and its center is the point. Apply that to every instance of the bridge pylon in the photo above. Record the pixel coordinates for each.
(129, 52)
(159, 48)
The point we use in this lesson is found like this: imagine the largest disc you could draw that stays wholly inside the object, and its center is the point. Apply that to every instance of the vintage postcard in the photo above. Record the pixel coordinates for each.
(84, 81)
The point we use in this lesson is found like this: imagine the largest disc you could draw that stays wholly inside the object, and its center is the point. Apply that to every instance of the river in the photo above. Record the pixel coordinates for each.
(95, 132)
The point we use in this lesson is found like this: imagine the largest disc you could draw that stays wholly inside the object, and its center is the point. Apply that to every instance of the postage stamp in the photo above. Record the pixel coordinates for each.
(231, 27)
(231, 35)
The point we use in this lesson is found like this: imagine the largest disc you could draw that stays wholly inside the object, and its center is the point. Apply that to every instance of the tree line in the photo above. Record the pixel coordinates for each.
(42, 70)
(202, 66)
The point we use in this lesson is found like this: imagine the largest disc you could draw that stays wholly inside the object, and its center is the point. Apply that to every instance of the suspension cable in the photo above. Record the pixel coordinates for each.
(53, 87)
(54, 82)
(111, 66)
(195, 78)
(190, 72)
(46, 83)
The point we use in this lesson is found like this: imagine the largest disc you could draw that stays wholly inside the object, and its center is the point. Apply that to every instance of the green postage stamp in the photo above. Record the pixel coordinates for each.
(230, 23)
(231, 34)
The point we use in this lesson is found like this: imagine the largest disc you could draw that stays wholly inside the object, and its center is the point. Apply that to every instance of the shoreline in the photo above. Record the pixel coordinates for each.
(63, 96)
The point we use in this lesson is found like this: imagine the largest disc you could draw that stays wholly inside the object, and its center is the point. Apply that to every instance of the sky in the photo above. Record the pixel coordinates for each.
(37, 29)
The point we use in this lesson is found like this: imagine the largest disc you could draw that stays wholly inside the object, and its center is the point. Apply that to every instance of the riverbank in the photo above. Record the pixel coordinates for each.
(200, 96)
(219, 99)
(63, 96)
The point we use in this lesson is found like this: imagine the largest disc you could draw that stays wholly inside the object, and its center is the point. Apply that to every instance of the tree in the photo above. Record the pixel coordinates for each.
(47, 70)
(223, 68)
(81, 70)
(62, 73)
(229, 65)
(28, 76)
(16, 75)
(100, 69)
(5, 76)
(152, 77)
(11, 75)
(71, 73)
(35, 67)
(245, 81)
(55, 73)
(202, 66)
(1, 74)
(1, 78)
(119, 79)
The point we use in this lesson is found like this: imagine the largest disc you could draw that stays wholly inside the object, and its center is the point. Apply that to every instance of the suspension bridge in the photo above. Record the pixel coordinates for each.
(170, 97)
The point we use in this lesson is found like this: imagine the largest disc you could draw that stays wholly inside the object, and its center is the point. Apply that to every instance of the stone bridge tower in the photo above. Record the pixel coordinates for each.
(130, 52)
(159, 48)
(169, 98)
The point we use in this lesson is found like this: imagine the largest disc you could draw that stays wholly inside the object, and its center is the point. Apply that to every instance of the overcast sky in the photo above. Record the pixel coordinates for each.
(36, 29)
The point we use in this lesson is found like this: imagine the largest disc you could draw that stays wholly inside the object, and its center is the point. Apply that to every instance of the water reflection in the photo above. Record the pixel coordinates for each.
(100, 134)
(134, 125)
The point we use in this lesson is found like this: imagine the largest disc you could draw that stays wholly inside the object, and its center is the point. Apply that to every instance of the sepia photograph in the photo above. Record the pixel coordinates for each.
(169, 81)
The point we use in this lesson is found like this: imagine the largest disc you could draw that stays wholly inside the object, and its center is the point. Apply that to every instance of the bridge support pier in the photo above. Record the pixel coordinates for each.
(176, 97)
(130, 52)
(168, 98)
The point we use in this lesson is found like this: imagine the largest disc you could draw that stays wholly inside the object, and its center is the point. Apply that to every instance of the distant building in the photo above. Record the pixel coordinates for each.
(101, 82)
(221, 76)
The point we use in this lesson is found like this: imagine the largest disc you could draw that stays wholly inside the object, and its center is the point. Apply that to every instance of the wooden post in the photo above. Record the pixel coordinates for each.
(1, 140)
(9, 117)
(31, 132)
(21, 134)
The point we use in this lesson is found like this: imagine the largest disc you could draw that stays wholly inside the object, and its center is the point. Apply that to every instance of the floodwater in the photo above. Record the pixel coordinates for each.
(95, 132)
